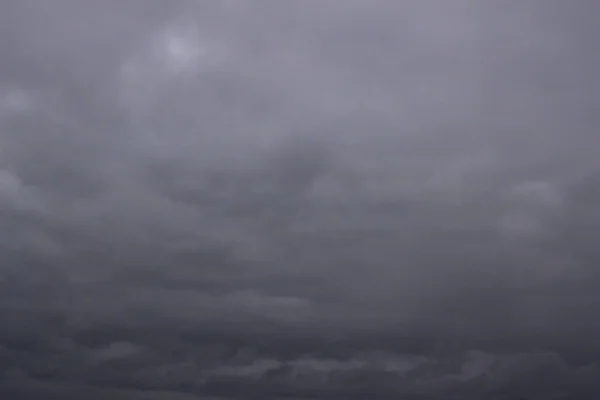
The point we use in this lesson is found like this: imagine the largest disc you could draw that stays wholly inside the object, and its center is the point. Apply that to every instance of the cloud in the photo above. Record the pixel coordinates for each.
(310, 182)
(384, 374)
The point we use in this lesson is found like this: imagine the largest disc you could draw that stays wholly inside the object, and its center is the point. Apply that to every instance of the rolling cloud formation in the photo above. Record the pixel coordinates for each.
(318, 199)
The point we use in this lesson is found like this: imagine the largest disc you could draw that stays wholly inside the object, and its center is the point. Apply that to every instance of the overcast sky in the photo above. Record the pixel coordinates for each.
(321, 199)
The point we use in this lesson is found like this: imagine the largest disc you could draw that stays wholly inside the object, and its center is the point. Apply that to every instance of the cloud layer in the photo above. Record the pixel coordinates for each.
(315, 199)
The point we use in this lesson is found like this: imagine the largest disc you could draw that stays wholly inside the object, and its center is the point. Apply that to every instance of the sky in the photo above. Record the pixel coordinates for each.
(299, 199)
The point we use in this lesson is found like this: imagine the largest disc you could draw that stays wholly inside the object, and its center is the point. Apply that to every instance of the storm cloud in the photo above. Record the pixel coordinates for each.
(313, 199)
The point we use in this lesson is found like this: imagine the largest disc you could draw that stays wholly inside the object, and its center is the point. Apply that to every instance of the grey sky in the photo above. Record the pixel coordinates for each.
(319, 198)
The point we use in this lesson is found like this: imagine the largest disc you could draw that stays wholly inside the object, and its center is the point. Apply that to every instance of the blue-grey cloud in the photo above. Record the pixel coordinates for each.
(256, 197)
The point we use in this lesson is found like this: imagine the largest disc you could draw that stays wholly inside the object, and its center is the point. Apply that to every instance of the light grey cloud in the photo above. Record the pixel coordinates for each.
(314, 178)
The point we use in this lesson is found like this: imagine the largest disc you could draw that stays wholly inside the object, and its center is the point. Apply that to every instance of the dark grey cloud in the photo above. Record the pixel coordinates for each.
(318, 199)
